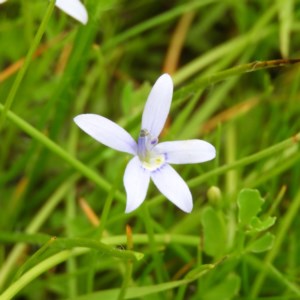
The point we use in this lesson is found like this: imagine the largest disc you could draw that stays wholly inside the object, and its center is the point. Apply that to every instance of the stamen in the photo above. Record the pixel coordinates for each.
(149, 158)
(144, 132)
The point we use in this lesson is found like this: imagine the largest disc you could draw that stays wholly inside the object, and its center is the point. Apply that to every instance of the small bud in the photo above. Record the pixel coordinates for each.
(214, 195)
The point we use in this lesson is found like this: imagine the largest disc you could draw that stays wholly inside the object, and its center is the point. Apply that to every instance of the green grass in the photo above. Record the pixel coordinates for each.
(63, 230)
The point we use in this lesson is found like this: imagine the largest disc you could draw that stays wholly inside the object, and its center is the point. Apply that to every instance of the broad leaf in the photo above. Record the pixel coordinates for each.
(213, 232)
(249, 203)
(262, 244)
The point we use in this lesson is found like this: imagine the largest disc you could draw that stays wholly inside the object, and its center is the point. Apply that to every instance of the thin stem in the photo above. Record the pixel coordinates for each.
(128, 266)
(54, 260)
(248, 159)
(127, 278)
(237, 70)
(105, 211)
(152, 242)
(273, 273)
(238, 44)
(33, 227)
(53, 147)
(162, 18)
(12, 94)
(139, 239)
(231, 177)
(64, 255)
(285, 223)
(33, 273)
(70, 212)
(290, 142)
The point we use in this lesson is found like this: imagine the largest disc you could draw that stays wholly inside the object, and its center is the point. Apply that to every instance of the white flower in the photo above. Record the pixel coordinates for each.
(151, 159)
(74, 8)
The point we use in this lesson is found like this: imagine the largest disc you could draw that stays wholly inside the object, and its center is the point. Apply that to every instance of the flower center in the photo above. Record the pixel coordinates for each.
(150, 159)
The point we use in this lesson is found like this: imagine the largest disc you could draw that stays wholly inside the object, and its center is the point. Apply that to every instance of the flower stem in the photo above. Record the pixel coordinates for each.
(54, 148)
(128, 266)
(126, 281)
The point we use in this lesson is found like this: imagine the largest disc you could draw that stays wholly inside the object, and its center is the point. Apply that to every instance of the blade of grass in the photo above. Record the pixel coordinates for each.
(67, 157)
(165, 17)
(285, 11)
(290, 142)
(21, 74)
(60, 257)
(238, 70)
(33, 227)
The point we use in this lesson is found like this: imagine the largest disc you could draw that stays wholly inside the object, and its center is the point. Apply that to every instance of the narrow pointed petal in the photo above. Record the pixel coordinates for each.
(136, 182)
(173, 187)
(158, 105)
(187, 152)
(107, 132)
(73, 8)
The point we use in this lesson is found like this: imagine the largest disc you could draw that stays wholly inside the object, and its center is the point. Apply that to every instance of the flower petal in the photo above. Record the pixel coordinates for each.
(187, 152)
(158, 105)
(136, 182)
(169, 182)
(74, 8)
(106, 132)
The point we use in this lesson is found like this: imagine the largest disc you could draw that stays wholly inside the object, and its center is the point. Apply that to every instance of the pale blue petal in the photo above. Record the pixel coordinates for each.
(158, 105)
(173, 187)
(136, 181)
(73, 8)
(186, 152)
(107, 132)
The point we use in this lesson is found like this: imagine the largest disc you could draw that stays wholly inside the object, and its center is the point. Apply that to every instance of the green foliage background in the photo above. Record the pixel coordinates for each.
(242, 239)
